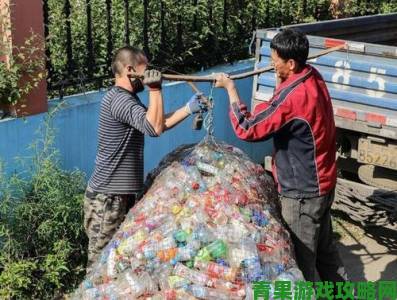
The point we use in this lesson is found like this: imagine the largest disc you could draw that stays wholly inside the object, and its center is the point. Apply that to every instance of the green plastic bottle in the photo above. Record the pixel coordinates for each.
(203, 255)
(180, 236)
(217, 249)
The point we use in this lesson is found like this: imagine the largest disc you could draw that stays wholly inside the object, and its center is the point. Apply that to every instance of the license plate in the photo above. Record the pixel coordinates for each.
(377, 154)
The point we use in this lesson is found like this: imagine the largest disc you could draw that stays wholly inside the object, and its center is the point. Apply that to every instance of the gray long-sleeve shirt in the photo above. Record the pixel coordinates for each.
(119, 159)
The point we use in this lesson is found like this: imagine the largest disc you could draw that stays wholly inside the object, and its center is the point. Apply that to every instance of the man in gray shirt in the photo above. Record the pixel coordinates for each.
(123, 122)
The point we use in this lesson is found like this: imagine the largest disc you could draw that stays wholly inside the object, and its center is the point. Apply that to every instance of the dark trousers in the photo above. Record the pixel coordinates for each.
(309, 223)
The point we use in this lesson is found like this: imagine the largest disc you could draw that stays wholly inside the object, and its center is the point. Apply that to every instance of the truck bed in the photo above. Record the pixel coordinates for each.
(376, 29)
(362, 80)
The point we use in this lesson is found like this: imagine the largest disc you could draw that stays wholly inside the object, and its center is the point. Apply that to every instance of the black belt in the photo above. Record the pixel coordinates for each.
(92, 194)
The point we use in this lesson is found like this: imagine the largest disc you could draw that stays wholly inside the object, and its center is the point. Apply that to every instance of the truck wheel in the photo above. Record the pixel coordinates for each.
(378, 177)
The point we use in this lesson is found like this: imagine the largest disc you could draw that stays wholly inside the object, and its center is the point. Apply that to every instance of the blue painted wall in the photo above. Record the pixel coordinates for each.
(77, 117)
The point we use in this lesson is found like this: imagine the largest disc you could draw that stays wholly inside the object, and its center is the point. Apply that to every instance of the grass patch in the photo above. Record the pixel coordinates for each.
(345, 228)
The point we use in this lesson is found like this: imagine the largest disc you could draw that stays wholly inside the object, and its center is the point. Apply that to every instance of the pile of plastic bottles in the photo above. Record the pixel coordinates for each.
(207, 228)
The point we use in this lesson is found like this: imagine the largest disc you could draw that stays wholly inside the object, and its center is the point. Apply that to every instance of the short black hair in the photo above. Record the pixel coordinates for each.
(291, 44)
(127, 55)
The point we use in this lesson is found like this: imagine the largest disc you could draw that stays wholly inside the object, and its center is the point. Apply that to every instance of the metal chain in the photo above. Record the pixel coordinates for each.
(208, 122)
(209, 118)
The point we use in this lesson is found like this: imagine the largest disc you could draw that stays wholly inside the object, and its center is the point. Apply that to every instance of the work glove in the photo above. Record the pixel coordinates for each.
(196, 104)
(152, 78)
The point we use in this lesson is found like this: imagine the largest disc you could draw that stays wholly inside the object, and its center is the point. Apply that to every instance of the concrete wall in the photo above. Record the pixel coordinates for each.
(77, 117)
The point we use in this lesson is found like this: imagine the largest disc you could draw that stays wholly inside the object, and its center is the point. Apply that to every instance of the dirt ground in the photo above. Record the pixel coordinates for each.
(369, 254)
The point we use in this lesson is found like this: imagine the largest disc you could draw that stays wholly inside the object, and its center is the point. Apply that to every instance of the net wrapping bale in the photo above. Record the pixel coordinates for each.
(207, 227)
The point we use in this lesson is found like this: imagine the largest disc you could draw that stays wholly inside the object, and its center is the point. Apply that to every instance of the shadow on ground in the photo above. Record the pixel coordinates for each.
(369, 253)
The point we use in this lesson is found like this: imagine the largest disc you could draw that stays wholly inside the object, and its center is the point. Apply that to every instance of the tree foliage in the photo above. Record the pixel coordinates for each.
(183, 35)
(21, 67)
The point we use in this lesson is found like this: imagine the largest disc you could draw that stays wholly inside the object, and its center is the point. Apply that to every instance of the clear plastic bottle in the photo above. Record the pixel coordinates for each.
(233, 232)
(128, 245)
(196, 277)
(188, 252)
(130, 284)
(153, 265)
(167, 255)
(176, 282)
(207, 168)
(298, 275)
(259, 218)
(225, 285)
(156, 221)
(252, 270)
(236, 256)
(151, 249)
(212, 294)
(181, 294)
(122, 264)
(162, 273)
(271, 270)
(103, 291)
(216, 270)
(111, 265)
(244, 250)
(91, 293)
(165, 229)
(220, 218)
(202, 233)
(227, 233)
(292, 274)
(286, 276)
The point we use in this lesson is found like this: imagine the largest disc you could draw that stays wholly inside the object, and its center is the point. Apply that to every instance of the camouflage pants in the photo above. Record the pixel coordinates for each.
(103, 214)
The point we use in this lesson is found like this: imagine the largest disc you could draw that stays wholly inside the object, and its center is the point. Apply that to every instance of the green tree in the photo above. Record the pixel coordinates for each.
(184, 35)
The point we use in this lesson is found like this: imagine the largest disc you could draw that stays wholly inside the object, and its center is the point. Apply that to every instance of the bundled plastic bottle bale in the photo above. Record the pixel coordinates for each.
(207, 227)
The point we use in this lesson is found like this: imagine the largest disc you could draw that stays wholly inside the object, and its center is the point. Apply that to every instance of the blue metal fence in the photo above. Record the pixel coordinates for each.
(77, 119)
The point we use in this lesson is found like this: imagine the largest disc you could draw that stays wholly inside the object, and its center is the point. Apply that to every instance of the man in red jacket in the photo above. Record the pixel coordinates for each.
(299, 118)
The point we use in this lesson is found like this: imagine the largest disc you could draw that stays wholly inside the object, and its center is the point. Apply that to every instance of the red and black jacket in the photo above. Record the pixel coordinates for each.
(300, 119)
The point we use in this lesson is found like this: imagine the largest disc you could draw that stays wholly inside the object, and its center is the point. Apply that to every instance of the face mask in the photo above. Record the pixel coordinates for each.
(137, 85)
